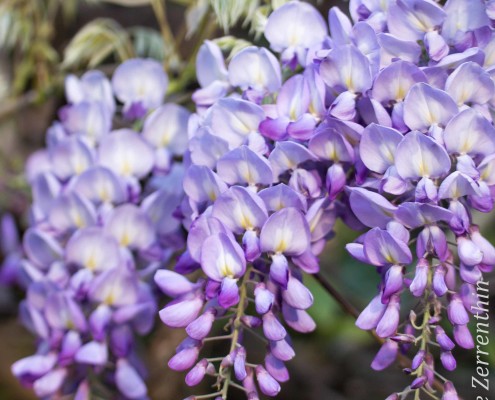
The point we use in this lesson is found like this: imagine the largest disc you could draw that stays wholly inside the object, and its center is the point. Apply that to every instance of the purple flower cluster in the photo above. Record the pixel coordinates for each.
(258, 210)
(101, 223)
(428, 154)
(385, 123)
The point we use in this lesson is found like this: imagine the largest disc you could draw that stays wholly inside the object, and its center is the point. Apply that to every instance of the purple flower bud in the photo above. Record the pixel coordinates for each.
(443, 340)
(390, 318)
(128, 380)
(201, 326)
(418, 285)
(439, 285)
(263, 298)
(485, 246)
(463, 337)
(251, 245)
(92, 353)
(449, 392)
(250, 385)
(385, 356)
(99, 321)
(83, 391)
(272, 328)
(197, 373)
(173, 284)
(279, 270)
(282, 350)
(371, 315)
(34, 366)
(185, 357)
(240, 363)
(182, 311)
(50, 383)
(418, 359)
(470, 274)
(267, 384)
(228, 360)
(393, 282)
(229, 293)
(251, 321)
(469, 297)
(448, 360)
(418, 382)
(469, 253)
(335, 180)
(276, 368)
(299, 320)
(121, 340)
(456, 312)
(297, 295)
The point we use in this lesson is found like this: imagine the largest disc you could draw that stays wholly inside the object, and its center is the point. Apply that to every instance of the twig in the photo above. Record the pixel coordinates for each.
(16, 104)
(344, 304)
(404, 361)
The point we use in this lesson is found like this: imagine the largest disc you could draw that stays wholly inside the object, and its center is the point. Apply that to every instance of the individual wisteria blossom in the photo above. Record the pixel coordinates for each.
(384, 122)
(101, 223)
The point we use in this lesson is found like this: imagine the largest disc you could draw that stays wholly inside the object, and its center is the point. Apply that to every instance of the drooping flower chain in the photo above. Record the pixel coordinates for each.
(386, 123)
(101, 223)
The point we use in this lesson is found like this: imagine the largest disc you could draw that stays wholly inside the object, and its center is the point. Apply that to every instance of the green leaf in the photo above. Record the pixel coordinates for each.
(229, 12)
(127, 3)
(194, 15)
(148, 43)
(97, 41)
(231, 45)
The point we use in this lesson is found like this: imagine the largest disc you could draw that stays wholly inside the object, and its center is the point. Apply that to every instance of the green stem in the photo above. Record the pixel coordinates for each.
(237, 326)
(160, 10)
(425, 328)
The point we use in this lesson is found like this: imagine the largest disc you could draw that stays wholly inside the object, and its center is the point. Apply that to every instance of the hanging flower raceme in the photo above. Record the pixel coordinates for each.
(261, 186)
(102, 222)
(427, 153)
(386, 124)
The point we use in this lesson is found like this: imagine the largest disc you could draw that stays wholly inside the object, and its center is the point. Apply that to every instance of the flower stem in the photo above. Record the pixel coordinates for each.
(236, 328)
